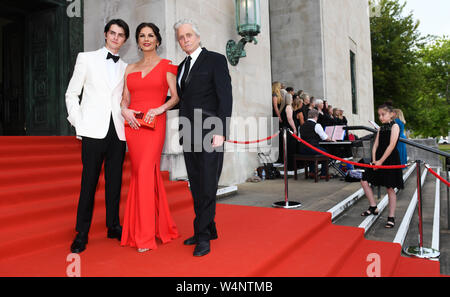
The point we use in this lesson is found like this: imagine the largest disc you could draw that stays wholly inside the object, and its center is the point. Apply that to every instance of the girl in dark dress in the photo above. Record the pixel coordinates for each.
(384, 152)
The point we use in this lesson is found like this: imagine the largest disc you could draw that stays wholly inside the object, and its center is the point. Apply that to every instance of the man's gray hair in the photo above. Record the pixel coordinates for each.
(186, 22)
(313, 113)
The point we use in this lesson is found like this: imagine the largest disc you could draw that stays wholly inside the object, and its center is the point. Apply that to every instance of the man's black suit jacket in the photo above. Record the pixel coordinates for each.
(208, 88)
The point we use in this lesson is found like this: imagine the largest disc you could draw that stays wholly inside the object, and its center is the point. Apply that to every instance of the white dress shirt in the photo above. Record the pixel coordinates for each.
(194, 57)
(111, 66)
(319, 130)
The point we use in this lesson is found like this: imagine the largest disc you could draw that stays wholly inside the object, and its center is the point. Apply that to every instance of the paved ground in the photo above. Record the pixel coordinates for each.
(324, 195)
(317, 197)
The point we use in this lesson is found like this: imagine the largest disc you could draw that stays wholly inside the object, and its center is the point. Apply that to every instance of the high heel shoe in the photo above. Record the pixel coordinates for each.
(142, 250)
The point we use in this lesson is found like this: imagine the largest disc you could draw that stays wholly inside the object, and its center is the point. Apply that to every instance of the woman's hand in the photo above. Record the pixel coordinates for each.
(377, 163)
(152, 113)
(128, 115)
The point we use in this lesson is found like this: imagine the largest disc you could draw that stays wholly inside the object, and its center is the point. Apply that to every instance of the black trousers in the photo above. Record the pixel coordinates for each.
(204, 169)
(111, 150)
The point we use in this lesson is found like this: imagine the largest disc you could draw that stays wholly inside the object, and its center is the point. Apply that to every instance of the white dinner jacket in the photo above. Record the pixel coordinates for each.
(101, 98)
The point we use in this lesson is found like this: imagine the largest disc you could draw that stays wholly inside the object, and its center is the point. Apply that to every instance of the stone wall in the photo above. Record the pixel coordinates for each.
(346, 28)
(419, 154)
(251, 78)
(311, 42)
(296, 42)
(98, 12)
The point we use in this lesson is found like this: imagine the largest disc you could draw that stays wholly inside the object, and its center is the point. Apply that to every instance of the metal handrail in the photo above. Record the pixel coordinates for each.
(407, 141)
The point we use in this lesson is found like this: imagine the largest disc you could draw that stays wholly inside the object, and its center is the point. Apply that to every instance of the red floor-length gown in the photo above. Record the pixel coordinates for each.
(147, 214)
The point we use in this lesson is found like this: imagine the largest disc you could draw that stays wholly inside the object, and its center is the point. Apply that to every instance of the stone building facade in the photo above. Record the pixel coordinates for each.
(303, 43)
(315, 44)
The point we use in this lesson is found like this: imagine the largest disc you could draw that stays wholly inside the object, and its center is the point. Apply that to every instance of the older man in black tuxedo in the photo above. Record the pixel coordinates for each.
(204, 87)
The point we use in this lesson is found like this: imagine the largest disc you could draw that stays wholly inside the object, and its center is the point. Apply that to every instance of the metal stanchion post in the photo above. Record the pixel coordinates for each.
(419, 206)
(420, 251)
(447, 168)
(286, 203)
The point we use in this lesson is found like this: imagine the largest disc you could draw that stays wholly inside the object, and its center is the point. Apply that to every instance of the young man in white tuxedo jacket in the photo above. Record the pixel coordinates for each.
(99, 76)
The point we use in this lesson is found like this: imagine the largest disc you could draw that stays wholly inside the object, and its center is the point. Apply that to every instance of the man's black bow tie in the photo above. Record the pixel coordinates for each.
(111, 56)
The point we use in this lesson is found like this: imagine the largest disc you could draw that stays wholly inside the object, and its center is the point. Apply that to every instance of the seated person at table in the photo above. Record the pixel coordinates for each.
(313, 133)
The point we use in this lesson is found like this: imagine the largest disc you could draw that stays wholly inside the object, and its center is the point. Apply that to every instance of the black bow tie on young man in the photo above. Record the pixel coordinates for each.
(111, 56)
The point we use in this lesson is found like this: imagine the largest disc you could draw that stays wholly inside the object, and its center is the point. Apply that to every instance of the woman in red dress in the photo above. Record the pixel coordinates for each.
(147, 214)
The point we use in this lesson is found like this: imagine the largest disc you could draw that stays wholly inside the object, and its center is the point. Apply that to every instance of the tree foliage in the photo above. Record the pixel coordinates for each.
(433, 117)
(410, 70)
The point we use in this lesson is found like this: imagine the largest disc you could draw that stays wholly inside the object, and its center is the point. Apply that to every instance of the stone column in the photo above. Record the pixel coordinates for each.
(296, 44)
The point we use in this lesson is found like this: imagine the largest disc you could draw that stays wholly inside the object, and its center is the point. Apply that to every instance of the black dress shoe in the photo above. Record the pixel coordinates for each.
(202, 248)
(115, 232)
(79, 243)
(192, 240)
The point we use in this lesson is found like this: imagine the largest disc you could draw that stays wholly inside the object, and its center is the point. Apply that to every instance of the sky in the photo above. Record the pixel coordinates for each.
(434, 15)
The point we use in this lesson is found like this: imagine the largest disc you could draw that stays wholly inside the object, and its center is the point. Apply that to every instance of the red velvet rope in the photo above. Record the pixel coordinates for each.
(253, 141)
(438, 176)
(346, 161)
(337, 158)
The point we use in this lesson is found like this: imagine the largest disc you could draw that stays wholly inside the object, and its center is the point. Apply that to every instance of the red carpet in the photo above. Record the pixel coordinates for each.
(39, 187)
